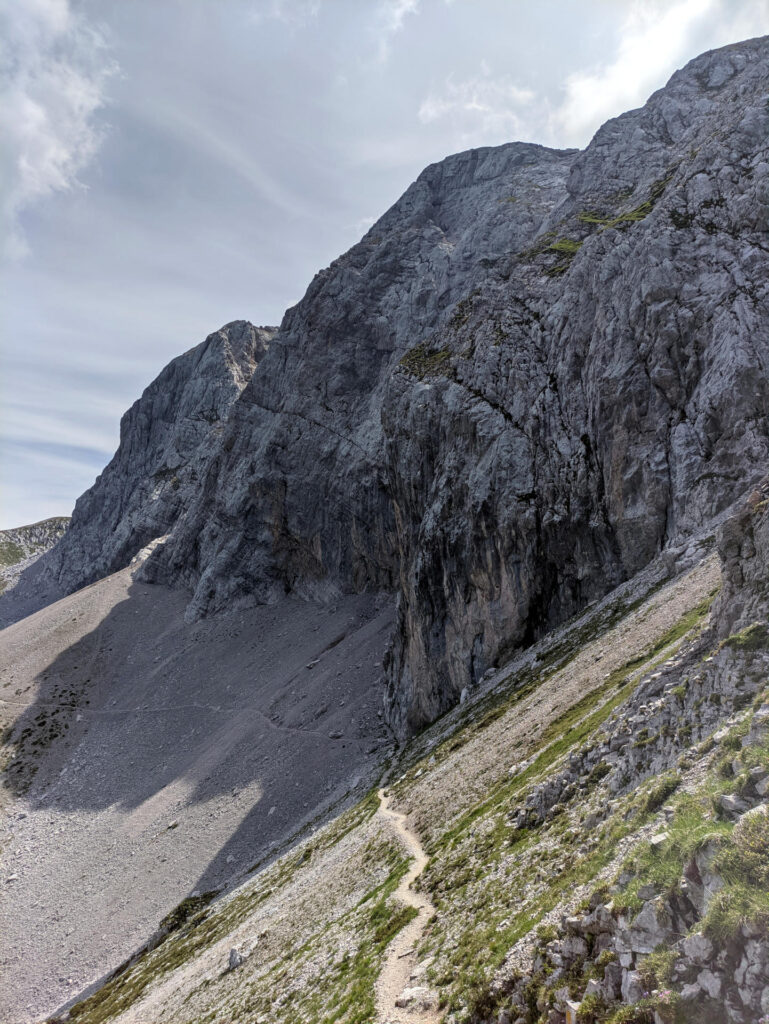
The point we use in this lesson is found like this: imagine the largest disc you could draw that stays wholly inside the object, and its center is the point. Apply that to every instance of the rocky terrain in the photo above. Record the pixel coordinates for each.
(589, 831)
(145, 759)
(500, 476)
(533, 372)
(21, 547)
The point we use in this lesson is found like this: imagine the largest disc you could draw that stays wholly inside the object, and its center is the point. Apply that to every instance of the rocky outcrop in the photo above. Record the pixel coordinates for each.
(681, 933)
(536, 371)
(22, 546)
(167, 441)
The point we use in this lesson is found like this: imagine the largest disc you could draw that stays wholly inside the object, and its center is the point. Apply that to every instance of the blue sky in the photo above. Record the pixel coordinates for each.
(170, 165)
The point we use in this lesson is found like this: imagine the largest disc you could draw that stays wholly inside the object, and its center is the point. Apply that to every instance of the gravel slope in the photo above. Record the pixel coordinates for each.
(161, 759)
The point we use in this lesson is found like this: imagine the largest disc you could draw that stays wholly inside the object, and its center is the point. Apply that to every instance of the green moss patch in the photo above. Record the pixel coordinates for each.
(422, 362)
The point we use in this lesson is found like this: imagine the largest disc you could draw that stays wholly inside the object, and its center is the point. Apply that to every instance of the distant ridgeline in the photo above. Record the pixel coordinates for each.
(22, 546)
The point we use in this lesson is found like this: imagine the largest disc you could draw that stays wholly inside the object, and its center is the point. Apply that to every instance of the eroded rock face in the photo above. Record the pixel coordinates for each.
(22, 546)
(167, 439)
(537, 370)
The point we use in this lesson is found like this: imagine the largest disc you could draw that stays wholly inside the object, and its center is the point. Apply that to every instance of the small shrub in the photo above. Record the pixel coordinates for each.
(546, 933)
(422, 362)
(185, 910)
(637, 1013)
(656, 969)
(734, 906)
(592, 1007)
(601, 770)
(747, 857)
(753, 638)
(660, 792)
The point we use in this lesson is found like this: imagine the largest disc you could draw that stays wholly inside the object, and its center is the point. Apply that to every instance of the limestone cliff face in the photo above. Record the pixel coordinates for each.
(167, 439)
(600, 393)
(534, 372)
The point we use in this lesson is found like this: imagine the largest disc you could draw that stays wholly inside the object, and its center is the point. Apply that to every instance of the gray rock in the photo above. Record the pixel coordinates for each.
(236, 959)
(703, 882)
(710, 983)
(495, 411)
(632, 989)
(698, 948)
(419, 998)
(651, 927)
(732, 806)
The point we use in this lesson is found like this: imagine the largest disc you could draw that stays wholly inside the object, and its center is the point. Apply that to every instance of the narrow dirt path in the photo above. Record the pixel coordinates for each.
(401, 953)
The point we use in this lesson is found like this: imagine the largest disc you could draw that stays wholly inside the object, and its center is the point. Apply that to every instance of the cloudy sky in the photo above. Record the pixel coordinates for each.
(169, 165)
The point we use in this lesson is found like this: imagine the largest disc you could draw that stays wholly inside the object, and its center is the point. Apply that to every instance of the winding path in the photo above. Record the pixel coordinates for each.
(401, 953)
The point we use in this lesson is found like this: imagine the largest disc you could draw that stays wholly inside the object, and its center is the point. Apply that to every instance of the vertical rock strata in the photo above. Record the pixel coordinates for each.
(536, 370)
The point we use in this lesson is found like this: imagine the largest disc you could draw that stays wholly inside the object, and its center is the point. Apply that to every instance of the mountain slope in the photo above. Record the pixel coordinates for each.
(565, 843)
(167, 439)
(22, 546)
(144, 759)
(537, 370)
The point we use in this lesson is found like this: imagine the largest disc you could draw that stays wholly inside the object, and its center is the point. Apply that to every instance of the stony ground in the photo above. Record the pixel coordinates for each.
(149, 759)
(21, 547)
(315, 930)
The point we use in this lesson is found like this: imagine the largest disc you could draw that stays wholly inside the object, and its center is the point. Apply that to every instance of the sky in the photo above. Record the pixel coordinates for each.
(167, 166)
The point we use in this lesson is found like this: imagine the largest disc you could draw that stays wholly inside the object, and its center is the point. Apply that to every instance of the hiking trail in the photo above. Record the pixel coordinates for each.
(401, 960)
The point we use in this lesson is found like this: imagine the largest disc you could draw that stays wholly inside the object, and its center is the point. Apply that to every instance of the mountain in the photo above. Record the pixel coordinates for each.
(167, 441)
(22, 546)
(504, 465)
(590, 829)
(534, 372)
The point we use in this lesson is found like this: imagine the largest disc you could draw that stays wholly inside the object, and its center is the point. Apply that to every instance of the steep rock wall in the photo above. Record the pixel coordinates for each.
(167, 438)
(533, 373)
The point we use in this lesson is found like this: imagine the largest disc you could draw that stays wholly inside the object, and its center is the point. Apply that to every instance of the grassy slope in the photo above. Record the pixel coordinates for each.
(320, 917)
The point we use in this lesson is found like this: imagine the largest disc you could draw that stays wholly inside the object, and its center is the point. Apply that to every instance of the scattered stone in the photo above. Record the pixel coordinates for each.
(732, 806)
(418, 998)
(698, 948)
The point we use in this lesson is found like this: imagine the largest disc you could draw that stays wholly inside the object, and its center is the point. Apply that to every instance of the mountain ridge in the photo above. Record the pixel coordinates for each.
(533, 373)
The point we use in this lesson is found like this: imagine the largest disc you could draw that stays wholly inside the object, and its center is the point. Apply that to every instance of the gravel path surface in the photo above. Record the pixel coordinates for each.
(150, 759)
(401, 953)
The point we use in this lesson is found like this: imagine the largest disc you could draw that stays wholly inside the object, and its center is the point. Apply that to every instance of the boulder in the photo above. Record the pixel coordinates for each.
(698, 948)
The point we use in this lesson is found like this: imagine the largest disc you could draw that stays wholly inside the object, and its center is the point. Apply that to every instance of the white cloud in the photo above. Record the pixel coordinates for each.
(481, 109)
(655, 38)
(53, 69)
(390, 16)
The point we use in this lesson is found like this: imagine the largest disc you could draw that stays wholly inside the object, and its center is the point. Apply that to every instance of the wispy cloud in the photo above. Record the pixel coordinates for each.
(294, 13)
(482, 108)
(389, 19)
(53, 69)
